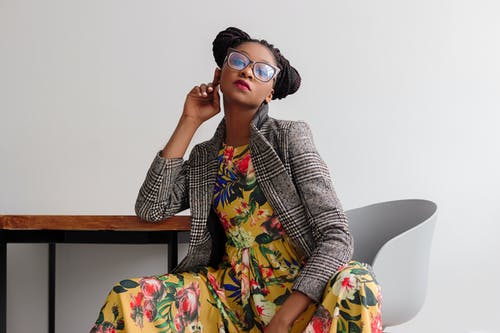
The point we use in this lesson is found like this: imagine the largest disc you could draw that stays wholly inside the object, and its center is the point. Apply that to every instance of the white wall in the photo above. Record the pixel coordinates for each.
(402, 96)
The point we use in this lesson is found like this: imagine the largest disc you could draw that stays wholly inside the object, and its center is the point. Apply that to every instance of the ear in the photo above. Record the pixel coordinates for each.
(217, 75)
(270, 96)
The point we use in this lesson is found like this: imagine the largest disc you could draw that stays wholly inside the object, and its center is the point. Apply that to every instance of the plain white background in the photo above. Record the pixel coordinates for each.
(402, 97)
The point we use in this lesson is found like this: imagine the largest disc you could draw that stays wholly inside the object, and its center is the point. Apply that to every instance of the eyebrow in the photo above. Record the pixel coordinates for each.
(265, 61)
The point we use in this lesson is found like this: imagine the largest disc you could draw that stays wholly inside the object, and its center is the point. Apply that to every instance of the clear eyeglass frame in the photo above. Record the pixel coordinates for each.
(251, 63)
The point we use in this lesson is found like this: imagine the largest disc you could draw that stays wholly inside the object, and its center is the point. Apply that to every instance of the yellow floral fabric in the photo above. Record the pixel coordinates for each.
(252, 282)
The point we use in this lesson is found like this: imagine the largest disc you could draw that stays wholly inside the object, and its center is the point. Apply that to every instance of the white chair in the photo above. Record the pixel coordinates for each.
(395, 237)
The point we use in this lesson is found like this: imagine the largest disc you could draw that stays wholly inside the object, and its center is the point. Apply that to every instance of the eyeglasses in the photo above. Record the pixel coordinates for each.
(261, 70)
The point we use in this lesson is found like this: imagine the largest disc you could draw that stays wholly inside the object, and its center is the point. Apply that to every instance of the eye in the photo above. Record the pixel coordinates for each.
(238, 61)
(264, 71)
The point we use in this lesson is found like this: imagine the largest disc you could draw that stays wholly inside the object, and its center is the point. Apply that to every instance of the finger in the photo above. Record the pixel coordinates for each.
(197, 90)
(210, 87)
(203, 89)
(216, 98)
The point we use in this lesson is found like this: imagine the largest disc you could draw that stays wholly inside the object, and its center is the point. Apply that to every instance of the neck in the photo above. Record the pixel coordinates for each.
(238, 119)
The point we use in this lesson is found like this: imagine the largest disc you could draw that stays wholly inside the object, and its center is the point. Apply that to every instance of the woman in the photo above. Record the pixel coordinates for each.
(270, 247)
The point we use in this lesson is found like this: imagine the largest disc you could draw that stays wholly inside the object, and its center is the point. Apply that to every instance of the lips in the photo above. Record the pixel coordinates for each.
(242, 85)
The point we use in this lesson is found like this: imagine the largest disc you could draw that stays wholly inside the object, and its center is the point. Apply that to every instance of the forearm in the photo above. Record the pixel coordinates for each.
(333, 245)
(180, 139)
(164, 190)
(329, 255)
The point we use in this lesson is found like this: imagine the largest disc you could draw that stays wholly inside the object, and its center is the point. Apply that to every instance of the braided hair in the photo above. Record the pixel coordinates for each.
(288, 79)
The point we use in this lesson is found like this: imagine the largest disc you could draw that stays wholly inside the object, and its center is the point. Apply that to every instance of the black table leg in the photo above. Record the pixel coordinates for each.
(52, 286)
(172, 250)
(3, 284)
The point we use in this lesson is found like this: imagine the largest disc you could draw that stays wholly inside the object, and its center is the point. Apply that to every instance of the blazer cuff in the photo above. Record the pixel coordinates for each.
(311, 287)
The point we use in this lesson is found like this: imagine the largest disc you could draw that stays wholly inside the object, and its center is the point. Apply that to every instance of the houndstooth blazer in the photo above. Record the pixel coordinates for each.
(294, 179)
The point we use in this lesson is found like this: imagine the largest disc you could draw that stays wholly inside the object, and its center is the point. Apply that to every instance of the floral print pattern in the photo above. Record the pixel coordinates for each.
(252, 282)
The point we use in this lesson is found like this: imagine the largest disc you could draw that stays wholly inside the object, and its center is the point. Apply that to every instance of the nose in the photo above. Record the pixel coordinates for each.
(247, 72)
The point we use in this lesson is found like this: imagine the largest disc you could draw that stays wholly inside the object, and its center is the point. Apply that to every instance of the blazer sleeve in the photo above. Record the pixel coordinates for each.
(164, 192)
(328, 223)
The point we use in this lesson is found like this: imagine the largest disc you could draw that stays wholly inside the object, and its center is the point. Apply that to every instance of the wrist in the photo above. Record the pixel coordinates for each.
(283, 319)
(293, 307)
(190, 121)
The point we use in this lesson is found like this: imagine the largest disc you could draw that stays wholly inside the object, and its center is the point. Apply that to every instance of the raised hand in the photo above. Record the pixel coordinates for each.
(203, 101)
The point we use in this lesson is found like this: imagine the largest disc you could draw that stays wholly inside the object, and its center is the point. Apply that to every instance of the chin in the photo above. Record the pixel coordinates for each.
(242, 100)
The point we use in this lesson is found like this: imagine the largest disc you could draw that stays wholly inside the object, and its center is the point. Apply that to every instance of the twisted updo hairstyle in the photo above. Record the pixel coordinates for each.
(288, 79)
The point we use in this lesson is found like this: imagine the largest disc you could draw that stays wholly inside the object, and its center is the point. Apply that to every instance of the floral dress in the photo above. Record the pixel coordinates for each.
(253, 280)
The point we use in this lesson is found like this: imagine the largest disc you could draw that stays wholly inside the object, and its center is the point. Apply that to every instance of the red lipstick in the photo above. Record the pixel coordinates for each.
(242, 85)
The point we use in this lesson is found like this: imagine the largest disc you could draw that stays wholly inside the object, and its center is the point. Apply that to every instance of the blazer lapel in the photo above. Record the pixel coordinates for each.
(277, 186)
(203, 174)
(274, 180)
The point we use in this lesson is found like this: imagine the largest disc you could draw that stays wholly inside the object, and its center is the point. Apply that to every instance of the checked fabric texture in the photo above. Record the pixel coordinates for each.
(250, 284)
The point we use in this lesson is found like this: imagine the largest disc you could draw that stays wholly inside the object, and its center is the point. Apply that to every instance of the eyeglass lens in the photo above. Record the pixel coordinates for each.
(239, 61)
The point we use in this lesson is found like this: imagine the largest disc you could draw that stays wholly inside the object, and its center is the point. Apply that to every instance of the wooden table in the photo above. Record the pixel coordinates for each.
(92, 229)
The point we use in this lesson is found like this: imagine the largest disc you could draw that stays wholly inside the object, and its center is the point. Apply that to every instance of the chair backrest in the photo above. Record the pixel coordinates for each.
(395, 238)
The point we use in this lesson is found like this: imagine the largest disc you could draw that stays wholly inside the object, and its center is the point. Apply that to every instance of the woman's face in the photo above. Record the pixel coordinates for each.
(241, 86)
